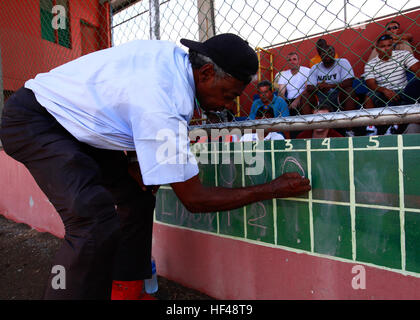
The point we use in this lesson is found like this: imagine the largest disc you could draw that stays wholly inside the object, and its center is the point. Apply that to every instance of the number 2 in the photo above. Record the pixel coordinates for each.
(254, 145)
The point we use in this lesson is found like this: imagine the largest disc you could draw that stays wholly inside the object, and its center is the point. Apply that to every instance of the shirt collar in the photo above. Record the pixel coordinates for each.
(190, 79)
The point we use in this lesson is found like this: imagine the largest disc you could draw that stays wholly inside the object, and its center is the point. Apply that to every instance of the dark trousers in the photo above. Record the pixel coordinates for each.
(108, 219)
(409, 95)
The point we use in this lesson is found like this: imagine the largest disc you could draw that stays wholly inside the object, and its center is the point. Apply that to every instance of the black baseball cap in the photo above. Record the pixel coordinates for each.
(230, 52)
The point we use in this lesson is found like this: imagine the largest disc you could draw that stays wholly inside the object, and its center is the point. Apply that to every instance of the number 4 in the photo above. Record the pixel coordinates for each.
(326, 142)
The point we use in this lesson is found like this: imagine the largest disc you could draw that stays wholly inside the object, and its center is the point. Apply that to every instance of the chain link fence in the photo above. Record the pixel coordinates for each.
(313, 55)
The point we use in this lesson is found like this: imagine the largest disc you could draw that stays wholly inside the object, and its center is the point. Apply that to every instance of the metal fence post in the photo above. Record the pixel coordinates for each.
(206, 23)
(154, 19)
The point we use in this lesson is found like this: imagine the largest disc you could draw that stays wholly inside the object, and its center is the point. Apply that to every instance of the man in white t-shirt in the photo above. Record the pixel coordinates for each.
(261, 135)
(332, 82)
(71, 126)
(292, 83)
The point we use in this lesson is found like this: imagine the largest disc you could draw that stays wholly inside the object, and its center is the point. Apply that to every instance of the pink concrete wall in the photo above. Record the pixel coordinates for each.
(233, 269)
(21, 200)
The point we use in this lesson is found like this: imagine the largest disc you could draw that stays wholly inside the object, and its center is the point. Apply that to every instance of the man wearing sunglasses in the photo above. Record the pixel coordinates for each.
(401, 40)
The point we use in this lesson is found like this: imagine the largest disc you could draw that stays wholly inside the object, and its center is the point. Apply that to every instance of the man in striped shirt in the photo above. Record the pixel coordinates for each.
(386, 76)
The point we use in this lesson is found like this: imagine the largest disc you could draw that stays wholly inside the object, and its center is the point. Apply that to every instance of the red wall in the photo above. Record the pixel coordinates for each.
(24, 53)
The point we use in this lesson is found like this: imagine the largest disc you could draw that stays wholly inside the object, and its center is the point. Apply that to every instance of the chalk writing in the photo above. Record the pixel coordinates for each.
(294, 161)
(228, 174)
(259, 210)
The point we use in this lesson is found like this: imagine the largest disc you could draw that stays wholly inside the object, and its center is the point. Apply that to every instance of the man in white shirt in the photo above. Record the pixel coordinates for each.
(332, 82)
(261, 136)
(292, 83)
(70, 128)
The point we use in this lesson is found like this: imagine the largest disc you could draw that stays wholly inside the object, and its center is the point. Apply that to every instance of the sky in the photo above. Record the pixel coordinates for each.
(262, 22)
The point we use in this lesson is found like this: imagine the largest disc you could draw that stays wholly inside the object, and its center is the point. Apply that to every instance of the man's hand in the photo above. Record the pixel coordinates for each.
(390, 94)
(289, 185)
(134, 171)
(295, 103)
(324, 87)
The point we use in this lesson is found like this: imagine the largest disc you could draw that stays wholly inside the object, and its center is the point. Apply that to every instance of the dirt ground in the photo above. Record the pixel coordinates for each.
(25, 262)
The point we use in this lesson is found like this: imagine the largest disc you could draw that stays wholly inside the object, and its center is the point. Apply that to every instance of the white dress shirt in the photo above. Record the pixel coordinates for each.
(136, 96)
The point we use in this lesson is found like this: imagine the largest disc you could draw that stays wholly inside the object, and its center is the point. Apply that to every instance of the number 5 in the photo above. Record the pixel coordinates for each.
(375, 142)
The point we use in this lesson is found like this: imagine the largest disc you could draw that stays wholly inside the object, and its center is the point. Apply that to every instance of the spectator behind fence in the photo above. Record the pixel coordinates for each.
(320, 133)
(268, 105)
(320, 46)
(267, 136)
(386, 77)
(412, 128)
(332, 82)
(401, 40)
(292, 83)
(223, 115)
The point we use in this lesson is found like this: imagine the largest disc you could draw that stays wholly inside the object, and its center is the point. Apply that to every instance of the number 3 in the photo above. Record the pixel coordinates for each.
(289, 145)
